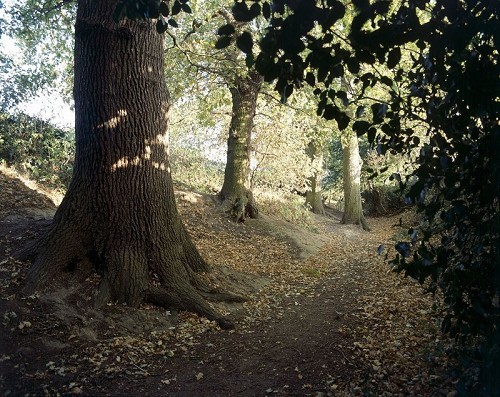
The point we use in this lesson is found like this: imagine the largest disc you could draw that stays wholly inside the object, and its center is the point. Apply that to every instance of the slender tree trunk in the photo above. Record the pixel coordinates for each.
(353, 210)
(119, 211)
(236, 193)
(314, 197)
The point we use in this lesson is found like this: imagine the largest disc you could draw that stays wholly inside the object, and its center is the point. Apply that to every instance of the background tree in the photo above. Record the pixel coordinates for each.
(224, 67)
(314, 197)
(351, 163)
(119, 210)
(351, 166)
(236, 188)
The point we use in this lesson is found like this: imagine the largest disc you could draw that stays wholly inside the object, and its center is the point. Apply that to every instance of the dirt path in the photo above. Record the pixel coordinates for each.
(326, 319)
(295, 352)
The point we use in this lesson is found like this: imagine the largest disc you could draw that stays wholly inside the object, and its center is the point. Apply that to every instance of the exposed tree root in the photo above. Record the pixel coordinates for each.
(58, 252)
(215, 294)
(186, 299)
(240, 207)
(126, 275)
(362, 221)
(364, 224)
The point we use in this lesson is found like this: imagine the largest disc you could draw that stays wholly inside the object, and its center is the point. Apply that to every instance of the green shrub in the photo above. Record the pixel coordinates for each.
(286, 205)
(191, 168)
(35, 147)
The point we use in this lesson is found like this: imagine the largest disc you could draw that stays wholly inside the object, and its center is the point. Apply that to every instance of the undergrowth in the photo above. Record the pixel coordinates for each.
(37, 149)
(287, 206)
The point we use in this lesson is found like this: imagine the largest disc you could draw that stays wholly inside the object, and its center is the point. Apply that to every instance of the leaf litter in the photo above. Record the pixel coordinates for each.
(334, 323)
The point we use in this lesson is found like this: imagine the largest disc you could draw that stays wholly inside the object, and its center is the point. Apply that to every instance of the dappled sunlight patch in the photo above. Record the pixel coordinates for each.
(187, 196)
(125, 162)
(160, 166)
(54, 195)
(114, 121)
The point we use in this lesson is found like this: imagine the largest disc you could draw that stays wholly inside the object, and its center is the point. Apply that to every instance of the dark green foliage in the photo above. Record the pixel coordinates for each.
(381, 199)
(34, 146)
(245, 42)
(161, 10)
(454, 81)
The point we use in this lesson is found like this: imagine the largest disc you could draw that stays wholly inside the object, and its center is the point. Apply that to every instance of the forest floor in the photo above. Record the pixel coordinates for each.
(326, 317)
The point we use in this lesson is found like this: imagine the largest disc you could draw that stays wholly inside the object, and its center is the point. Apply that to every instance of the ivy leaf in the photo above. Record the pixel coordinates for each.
(185, 7)
(245, 42)
(360, 111)
(266, 10)
(223, 42)
(330, 112)
(164, 10)
(310, 79)
(241, 12)
(403, 248)
(378, 111)
(372, 132)
(342, 95)
(161, 25)
(387, 81)
(342, 120)
(173, 23)
(255, 10)
(226, 30)
(176, 8)
(337, 11)
(393, 58)
(353, 65)
(360, 127)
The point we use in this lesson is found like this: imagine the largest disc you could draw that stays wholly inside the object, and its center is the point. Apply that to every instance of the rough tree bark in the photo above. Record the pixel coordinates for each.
(236, 194)
(119, 213)
(314, 197)
(353, 209)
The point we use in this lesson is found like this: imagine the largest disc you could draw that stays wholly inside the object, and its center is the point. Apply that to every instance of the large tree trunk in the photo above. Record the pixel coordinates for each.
(353, 210)
(236, 193)
(120, 210)
(314, 197)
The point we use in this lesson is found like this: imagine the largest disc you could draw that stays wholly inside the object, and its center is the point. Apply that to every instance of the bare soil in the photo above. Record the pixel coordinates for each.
(326, 317)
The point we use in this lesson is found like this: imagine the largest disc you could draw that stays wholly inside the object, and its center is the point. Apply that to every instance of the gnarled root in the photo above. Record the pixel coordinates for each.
(186, 299)
(58, 252)
(240, 207)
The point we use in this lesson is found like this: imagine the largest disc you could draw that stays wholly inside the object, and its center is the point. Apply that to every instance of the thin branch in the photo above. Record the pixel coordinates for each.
(57, 6)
